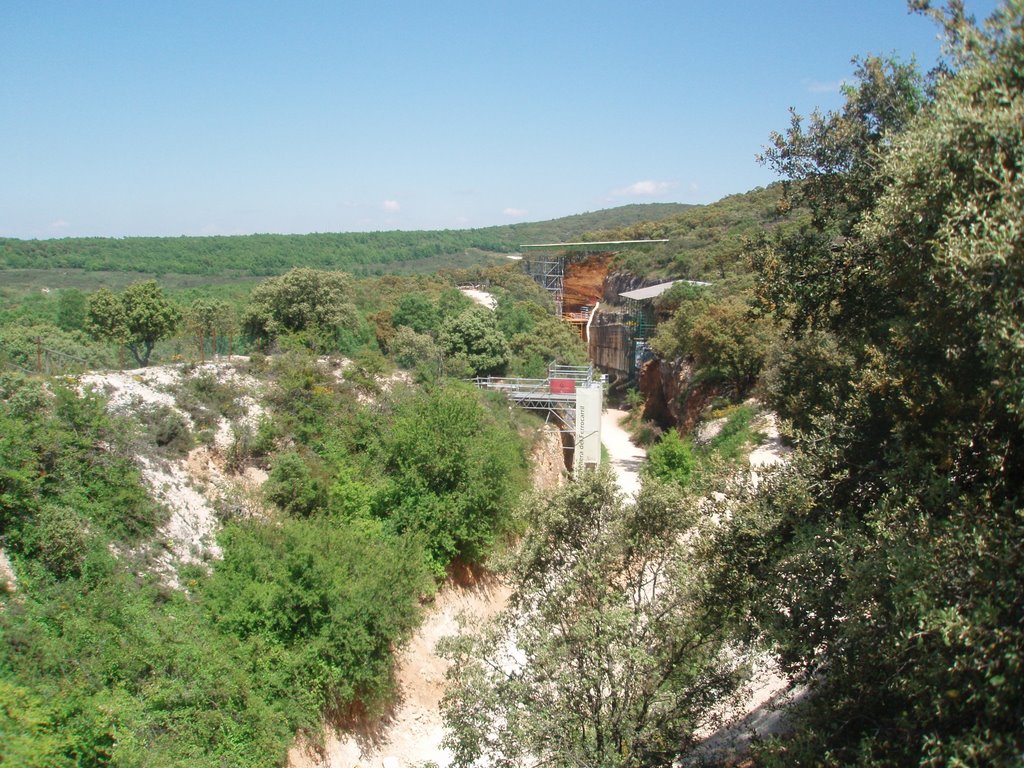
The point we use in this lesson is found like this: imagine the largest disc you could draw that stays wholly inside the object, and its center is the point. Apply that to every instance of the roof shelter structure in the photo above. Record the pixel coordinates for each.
(641, 310)
(642, 321)
(654, 291)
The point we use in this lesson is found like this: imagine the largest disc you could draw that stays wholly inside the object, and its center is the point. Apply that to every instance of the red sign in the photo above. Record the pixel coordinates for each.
(563, 386)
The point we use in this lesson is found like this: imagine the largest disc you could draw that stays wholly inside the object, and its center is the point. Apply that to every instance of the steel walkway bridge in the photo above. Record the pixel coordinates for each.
(571, 396)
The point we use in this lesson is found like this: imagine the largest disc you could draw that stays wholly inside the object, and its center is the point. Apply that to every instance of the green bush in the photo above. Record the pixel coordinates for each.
(292, 488)
(452, 472)
(472, 338)
(320, 605)
(410, 349)
(671, 459)
(59, 538)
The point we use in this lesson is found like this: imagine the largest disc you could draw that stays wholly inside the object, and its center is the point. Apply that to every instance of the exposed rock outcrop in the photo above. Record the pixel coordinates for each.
(584, 282)
(610, 345)
(620, 282)
(671, 396)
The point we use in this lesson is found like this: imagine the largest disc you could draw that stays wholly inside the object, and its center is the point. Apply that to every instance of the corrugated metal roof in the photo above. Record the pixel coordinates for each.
(594, 245)
(653, 291)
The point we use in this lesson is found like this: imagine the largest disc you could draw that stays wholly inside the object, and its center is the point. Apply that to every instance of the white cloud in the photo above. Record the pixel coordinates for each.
(391, 206)
(59, 224)
(645, 189)
(515, 213)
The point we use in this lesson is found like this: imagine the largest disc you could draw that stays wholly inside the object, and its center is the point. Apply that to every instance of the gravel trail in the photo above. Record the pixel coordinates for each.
(626, 458)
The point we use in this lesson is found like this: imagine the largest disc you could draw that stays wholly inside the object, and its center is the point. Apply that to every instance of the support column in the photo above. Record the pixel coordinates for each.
(589, 401)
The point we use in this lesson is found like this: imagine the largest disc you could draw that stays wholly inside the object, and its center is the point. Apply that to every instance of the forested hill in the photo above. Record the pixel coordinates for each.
(707, 242)
(274, 254)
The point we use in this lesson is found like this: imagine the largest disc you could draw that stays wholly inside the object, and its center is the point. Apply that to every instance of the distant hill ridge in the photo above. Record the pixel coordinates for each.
(273, 254)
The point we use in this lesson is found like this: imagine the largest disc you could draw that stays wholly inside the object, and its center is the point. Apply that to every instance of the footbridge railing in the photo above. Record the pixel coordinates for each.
(571, 395)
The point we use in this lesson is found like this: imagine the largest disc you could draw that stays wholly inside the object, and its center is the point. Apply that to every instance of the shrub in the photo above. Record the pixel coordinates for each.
(452, 472)
(671, 459)
(473, 337)
(410, 348)
(166, 428)
(292, 488)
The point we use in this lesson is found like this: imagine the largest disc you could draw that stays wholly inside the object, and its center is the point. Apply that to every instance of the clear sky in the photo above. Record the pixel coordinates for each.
(181, 117)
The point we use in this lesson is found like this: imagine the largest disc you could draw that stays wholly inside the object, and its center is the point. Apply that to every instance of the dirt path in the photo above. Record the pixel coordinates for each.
(483, 298)
(626, 458)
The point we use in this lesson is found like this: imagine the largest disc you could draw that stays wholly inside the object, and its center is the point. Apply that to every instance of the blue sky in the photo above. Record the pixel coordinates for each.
(213, 117)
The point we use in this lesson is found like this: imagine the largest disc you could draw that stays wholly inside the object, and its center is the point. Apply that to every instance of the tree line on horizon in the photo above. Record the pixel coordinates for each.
(268, 254)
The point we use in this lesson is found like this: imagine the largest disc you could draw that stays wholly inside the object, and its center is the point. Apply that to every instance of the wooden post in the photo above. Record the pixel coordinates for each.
(202, 348)
(39, 354)
(213, 336)
(120, 357)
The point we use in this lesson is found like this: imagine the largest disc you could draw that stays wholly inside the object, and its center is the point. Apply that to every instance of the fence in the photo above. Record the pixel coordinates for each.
(34, 356)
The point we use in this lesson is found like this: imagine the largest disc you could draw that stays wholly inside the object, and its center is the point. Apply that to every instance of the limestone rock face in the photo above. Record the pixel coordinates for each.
(671, 398)
(620, 282)
(584, 282)
(610, 346)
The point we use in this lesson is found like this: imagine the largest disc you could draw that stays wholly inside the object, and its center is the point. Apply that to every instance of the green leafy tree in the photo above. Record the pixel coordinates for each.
(417, 312)
(731, 341)
(314, 305)
(208, 319)
(603, 657)
(472, 338)
(321, 605)
(452, 473)
(883, 565)
(106, 316)
(292, 487)
(72, 310)
(536, 338)
(138, 317)
(728, 338)
(812, 276)
(410, 349)
(671, 459)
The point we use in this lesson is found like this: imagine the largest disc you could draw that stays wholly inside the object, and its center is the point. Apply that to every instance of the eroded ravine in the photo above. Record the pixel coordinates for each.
(411, 731)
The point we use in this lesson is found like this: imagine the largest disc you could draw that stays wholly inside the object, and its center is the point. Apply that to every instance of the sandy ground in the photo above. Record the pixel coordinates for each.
(8, 580)
(626, 458)
(411, 732)
(483, 298)
(761, 710)
(771, 450)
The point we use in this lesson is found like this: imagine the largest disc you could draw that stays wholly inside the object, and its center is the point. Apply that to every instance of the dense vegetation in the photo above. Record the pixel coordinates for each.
(373, 491)
(275, 254)
(708, 242)
(884, 566)
(603, 657)
(872, 299)
(881, 565)
(103, 662)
